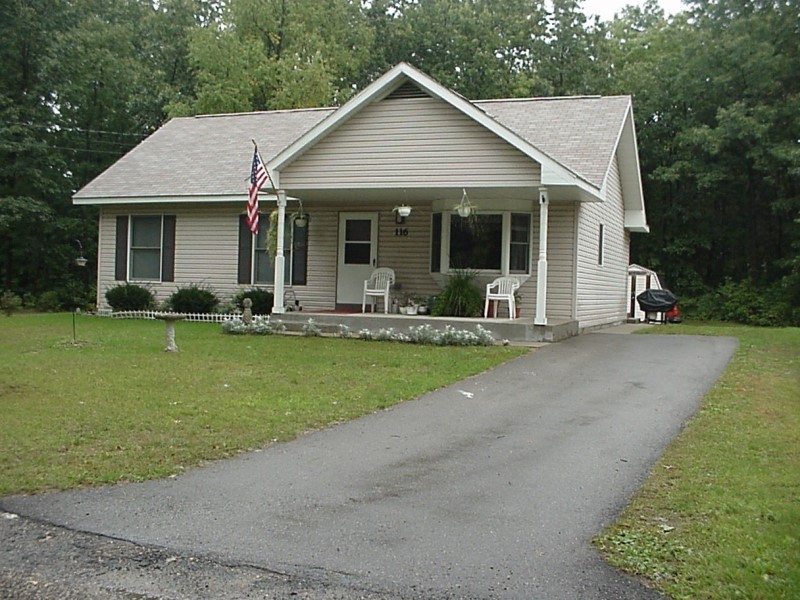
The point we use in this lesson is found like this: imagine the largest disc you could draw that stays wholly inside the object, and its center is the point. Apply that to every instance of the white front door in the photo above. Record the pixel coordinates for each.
(358, 255)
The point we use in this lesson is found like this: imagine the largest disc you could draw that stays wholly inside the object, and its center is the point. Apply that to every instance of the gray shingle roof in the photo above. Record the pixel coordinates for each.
(210, 155)
(201, 156)
(580, 133)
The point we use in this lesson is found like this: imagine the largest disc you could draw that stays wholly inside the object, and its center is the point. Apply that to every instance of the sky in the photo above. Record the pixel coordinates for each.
(607, 8)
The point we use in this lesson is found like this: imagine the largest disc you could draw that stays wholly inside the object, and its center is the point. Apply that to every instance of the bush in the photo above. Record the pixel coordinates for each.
(49, 302)
(194, 299)
(262, 300)
(129, 296)
(460, 297)
(10, 303)
(735, 302)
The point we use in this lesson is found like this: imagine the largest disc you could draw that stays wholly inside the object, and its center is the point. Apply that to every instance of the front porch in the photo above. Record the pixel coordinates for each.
(518, 330)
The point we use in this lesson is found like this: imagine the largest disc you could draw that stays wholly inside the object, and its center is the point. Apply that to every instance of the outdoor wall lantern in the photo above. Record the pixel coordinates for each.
(400, 213)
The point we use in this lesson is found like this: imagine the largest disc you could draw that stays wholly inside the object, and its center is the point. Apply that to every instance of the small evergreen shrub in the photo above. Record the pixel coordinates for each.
(48, 302)
(262, 300)
(194, 299)
(10, 303)
(460, 297)
(129, 296)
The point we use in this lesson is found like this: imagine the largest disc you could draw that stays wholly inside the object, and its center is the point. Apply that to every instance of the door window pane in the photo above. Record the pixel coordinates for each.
(358, 230)
(356, 254)
(358, 241)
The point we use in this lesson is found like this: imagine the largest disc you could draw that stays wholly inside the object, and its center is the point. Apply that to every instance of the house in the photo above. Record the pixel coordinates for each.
(556, 183)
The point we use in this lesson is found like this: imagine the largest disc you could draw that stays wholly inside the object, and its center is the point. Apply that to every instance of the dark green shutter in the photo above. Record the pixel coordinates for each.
(300, 255)
(245, 251)
(121, 251)
(436, 243)
(168, 249)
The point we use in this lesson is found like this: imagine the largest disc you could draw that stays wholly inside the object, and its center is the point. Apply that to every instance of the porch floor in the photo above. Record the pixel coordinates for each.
(516, 330)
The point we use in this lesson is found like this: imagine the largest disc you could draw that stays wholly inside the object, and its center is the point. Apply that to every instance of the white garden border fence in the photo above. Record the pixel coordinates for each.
(155, 314)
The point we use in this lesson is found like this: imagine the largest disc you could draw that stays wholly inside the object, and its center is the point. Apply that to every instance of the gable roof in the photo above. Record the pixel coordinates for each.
(207, 158)
(553, 171)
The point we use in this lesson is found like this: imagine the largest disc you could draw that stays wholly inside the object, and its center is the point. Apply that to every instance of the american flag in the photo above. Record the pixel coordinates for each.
(258, 177)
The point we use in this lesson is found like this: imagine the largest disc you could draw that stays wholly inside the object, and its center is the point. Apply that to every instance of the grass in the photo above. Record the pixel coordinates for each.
(719, 517)
(115, 407)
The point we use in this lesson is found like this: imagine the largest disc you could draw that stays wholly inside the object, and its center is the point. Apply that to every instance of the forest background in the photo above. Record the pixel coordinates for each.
(716, 95)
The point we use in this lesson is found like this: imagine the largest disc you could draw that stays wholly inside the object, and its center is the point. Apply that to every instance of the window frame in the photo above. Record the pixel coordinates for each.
(601, 245)
(132, 249)
(443, 237)
(289, 252)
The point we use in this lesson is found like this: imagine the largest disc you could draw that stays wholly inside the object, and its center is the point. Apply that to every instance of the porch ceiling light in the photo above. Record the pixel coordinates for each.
(400, 213)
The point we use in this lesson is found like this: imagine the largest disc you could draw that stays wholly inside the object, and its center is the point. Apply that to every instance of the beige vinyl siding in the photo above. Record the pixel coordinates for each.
(409, 255)
(601, 290)
(206, 242)
(414, 141)
(561, 261)
(206, 245)
(560, 264)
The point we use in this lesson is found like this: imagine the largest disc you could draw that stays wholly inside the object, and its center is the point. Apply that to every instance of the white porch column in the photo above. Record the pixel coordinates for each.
(541, 270)
(278, 305)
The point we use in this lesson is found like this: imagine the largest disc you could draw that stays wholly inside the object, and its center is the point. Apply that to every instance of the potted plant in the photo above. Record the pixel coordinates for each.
(517, 301)
(411, 305)
(465, 208)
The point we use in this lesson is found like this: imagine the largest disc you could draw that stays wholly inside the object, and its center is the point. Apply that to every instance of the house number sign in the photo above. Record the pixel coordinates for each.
(401, 231)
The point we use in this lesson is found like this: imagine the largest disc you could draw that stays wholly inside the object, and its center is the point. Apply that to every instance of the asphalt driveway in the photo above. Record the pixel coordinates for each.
(490, 488)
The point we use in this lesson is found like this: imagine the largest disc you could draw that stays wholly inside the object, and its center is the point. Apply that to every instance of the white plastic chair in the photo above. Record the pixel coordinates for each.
(378, 285)
(500, 289)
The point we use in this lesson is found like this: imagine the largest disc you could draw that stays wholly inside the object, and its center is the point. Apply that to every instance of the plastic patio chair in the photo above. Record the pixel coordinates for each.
(378, 285)
(501, 289)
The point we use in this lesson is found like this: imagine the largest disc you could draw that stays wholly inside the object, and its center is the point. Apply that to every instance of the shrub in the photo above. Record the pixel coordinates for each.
(10, 303)
(262, 300)
(129, 296)
(460, 297)
(736, 302)
(194, 299)
(48, 302)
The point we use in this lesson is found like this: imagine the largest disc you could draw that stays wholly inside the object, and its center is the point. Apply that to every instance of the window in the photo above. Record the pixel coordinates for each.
(494, 242)
(145, 254)
(255, 264)
(476, 242)
(145, 248)
(520, 251)
(600, 246)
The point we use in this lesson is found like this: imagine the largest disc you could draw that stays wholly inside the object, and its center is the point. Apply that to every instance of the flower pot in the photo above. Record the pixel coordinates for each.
(411, 310)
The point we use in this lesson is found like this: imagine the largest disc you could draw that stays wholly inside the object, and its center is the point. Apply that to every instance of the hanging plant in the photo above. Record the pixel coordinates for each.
(272, 235)
(465, 208)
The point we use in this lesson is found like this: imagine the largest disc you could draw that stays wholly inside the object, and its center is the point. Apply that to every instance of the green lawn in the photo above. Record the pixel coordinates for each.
(719, 518)
(116, 407)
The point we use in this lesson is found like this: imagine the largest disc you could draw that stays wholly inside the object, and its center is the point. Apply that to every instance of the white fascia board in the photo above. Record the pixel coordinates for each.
(630, 169)
(636, 221)
(384, 85)
(172, 199)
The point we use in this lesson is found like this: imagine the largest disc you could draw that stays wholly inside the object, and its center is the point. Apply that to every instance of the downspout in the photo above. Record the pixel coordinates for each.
(541, 269)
